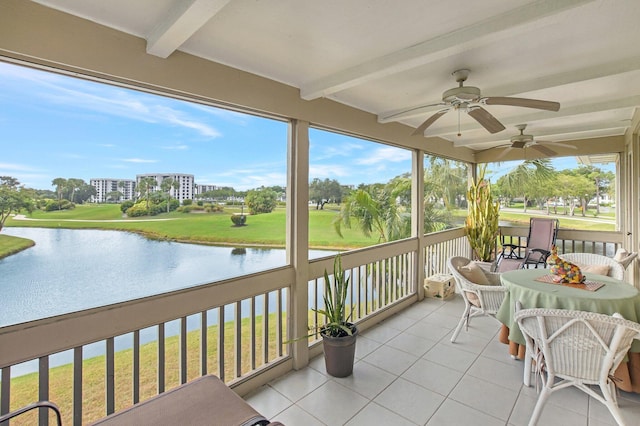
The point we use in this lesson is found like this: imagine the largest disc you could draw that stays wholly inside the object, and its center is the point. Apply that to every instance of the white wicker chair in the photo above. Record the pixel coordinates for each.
(575, 348)
(489, 297)
(616, 270)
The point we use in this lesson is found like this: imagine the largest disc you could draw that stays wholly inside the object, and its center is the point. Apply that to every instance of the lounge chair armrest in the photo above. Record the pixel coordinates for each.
(511, 246)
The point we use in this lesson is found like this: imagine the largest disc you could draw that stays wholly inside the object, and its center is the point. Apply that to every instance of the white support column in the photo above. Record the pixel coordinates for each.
(417, 218)
(472, 175)
(629, 205)
(298, 237)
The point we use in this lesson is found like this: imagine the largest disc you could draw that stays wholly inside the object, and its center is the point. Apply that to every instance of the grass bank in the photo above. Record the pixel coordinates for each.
(10, 245)
(203, 228)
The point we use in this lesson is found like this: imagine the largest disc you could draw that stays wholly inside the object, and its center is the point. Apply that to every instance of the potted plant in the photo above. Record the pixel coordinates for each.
(481, 224)
(338, 334)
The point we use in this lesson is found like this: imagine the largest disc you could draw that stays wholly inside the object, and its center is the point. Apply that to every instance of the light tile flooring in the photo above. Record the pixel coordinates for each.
(407, 372)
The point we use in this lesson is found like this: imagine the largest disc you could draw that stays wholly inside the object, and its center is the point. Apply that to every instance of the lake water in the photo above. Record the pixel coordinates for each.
(70, 270)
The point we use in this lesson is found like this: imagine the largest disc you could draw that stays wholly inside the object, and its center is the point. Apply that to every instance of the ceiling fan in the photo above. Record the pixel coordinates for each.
(528, 141)
(470, 100)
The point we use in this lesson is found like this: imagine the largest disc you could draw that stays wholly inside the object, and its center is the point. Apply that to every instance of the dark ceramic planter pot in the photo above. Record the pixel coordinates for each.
(339, 354)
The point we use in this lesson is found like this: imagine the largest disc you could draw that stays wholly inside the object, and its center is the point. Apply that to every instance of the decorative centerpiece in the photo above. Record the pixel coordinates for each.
(563, 271)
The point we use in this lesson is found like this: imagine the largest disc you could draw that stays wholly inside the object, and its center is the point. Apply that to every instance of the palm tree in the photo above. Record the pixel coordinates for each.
(145, 187)
(376, 214)
(526, 177)
(60, 184)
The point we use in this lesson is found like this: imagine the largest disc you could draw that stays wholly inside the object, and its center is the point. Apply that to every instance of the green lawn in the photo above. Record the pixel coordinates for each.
(206, 228)
(10, 245)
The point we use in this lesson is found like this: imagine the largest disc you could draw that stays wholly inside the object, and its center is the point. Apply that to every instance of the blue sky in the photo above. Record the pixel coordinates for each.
(57, 126)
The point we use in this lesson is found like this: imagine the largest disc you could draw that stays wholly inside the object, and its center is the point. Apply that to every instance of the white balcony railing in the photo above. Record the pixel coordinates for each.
(239, 326)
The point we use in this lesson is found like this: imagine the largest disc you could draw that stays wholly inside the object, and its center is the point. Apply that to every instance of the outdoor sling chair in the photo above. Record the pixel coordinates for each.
(542, 236)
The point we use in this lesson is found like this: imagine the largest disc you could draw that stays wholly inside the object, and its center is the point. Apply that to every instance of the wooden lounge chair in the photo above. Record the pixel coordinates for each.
(203, 401)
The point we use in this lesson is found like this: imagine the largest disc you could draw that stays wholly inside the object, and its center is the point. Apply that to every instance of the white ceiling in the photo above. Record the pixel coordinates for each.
(387, 56)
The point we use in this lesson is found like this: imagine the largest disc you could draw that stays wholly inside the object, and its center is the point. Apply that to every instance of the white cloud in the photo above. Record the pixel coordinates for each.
(328, 171)
(138, 160)
(96, 97)
(320, 151)
(178, 147)
(16, 167)
(385, 155)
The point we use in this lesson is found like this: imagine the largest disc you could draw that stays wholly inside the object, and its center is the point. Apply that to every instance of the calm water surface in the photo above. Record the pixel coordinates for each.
(70, 270)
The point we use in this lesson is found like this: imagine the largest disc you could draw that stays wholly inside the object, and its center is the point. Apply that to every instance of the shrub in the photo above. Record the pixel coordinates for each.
(53, 205)
(187, 202)
(239, 219)
(137, 210)
(126, 205)
(261, 200)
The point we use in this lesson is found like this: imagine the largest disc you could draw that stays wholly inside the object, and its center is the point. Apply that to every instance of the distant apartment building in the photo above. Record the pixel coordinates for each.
(184, 191)
(107, 188)
(201, 189)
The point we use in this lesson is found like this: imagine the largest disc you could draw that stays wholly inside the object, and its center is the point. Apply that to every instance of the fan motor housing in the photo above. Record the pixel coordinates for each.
(464, 93)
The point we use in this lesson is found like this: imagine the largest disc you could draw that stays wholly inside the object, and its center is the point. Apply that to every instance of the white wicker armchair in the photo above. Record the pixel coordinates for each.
(487, 300)
(575, 348)
(616, 270)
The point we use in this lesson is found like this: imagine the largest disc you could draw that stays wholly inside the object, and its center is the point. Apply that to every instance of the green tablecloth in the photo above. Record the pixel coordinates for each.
(614, 296)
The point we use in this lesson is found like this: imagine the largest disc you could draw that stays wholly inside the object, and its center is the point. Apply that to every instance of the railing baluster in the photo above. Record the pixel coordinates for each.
(5, 392)
(238, 339)
(135, 374)
(221, 345)
(43, 389)
(161, 358)
(110, 376)
(265, 328)
(77, 386)
(252, 324)
(279, 322)
(204, 328)
(183, 350)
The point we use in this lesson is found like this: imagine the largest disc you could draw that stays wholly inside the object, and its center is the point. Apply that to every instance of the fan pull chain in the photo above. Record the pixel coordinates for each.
(459, 134)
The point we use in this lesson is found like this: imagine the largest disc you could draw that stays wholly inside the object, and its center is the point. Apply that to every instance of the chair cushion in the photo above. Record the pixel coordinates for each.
(621, 254)
(474, 273)
(596, 269)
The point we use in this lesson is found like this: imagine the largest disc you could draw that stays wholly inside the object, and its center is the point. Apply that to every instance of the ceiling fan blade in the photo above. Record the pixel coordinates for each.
(543, 149)
(429, 121)
(407, 111)
(523, 102)
(485, 119)
(503, 153)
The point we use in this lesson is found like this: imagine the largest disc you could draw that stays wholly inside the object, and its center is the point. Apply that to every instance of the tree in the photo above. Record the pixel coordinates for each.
(526, 179)
(261, 200)
(60, 184)
(13, 198)
(114, 196)
(322, 191)
(145, 188)
(602, 181)
(84, 192)
(166, 186)
(73, 185)
(445, 180)
(376, 212)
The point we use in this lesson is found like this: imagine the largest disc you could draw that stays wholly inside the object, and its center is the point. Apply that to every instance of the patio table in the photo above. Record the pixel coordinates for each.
(614, 296)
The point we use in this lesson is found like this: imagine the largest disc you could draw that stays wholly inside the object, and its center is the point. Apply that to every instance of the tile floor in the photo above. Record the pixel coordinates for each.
(408, 373)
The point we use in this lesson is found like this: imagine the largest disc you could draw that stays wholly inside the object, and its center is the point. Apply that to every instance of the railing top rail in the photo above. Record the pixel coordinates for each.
(67, 331)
